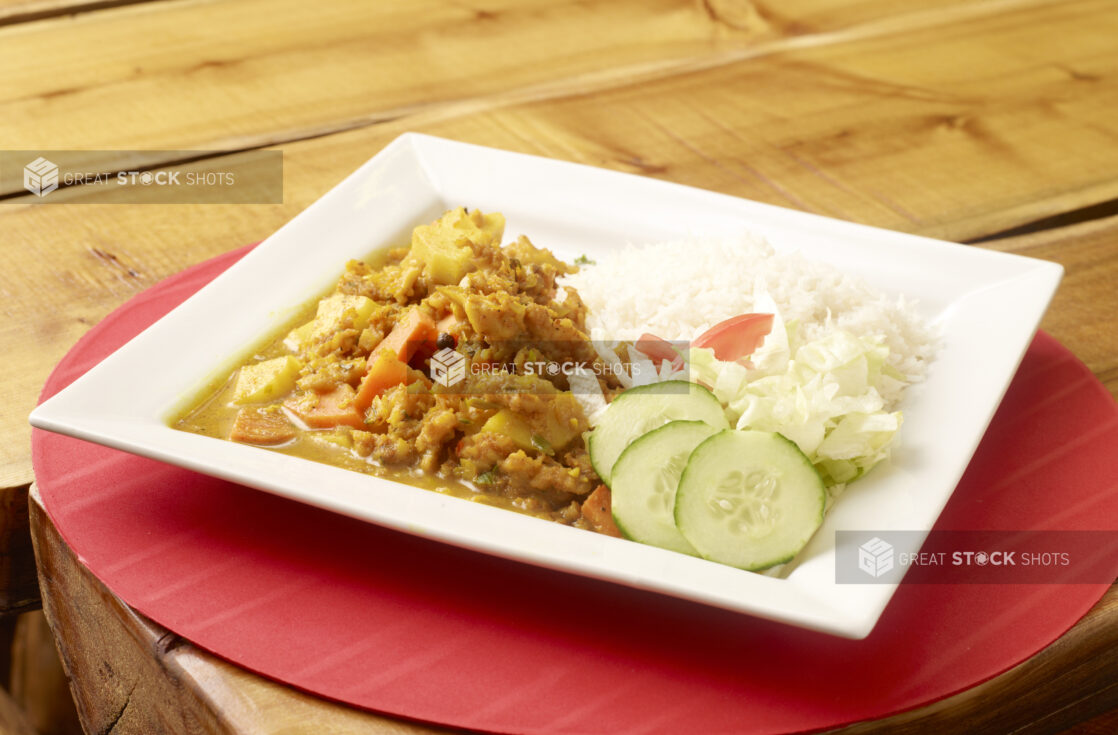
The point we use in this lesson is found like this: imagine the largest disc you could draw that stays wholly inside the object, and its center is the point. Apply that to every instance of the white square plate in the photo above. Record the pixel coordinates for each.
(987, 304)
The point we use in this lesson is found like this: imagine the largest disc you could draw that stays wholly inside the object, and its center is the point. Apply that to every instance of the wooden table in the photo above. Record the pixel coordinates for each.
(993, 122)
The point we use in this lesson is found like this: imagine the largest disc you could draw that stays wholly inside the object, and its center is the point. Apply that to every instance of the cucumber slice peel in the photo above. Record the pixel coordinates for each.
(749, 499)
(641, 409)
(645, 478)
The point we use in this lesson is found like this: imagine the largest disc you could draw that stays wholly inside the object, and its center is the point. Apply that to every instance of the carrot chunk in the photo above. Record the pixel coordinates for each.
(384, 372)
(388, 363)
(409, 335)
(327, 410)
(596, 509)
(261, 426)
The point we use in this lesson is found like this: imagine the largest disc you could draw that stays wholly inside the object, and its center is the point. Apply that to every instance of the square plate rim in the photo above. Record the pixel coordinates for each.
(148, 434)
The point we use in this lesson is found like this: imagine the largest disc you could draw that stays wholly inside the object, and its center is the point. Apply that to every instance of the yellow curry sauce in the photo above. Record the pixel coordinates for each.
(352, 385)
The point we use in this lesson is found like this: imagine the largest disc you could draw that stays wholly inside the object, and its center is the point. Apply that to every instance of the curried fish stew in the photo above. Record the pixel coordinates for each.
(352, 383)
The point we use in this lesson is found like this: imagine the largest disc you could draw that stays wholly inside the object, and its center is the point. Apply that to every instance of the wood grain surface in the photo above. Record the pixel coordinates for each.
(1088, 295)
(968, 120)
(38, 683)
(251, 72)
(23, 11)
(19, 583)
(12, 719)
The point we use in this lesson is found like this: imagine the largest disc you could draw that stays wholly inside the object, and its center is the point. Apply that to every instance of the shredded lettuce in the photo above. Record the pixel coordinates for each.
(820, 394)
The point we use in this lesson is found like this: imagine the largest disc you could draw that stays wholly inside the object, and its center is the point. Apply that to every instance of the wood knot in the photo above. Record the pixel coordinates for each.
(750, 17)
(167, 643)
(637, 163)
(740, 15)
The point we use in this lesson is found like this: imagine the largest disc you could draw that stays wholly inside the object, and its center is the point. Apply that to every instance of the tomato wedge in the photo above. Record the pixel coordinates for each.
(737, 337)
(658, 350)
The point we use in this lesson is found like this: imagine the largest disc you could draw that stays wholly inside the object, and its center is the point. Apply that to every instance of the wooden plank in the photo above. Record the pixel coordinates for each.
(39, 685)
(971, 110)
(21, 7)
(24, 11)
(12, 719)
(954, 131)
(1081, 314)
(868, 124)
(19, 585)
(1106, 724)
(130, 674)
(252, 72)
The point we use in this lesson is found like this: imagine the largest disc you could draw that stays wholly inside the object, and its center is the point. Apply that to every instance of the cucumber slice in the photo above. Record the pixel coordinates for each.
(646, 407)
(750, 499)
(645, 478)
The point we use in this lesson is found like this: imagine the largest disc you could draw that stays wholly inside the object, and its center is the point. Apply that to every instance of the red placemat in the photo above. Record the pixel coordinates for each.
(410, 627)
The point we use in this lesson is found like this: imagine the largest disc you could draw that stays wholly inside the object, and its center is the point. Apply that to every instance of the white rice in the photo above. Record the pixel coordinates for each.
(679, 289)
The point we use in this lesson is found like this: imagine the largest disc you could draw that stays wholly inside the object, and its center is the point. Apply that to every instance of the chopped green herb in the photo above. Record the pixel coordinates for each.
(583, 260)
(464, 421)
(541, 444)
(487, 478)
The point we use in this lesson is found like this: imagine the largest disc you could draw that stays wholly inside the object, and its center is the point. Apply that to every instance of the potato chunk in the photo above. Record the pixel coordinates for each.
(299, 337)
(266, 381)
(330, 318)
(333, 310)
(442, 247)
(508, 424)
